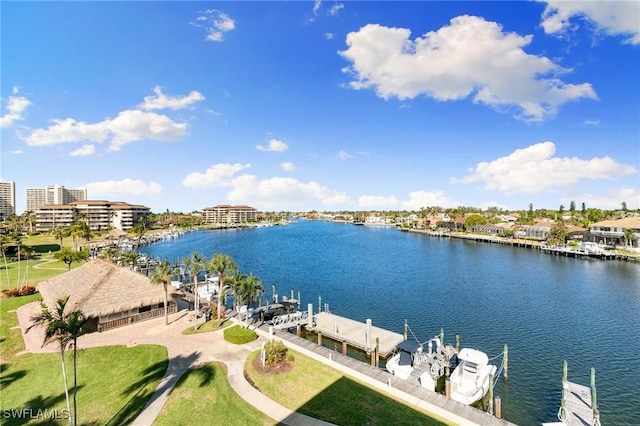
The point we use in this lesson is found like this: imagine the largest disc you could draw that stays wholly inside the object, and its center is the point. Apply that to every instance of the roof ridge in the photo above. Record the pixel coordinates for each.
(97, 283)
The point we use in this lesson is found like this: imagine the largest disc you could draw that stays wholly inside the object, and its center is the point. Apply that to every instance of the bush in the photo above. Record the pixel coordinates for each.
(239, 335)
(15, 292)
(275, 351)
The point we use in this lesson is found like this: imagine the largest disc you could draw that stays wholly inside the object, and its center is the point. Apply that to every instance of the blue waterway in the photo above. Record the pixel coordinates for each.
(546, 308)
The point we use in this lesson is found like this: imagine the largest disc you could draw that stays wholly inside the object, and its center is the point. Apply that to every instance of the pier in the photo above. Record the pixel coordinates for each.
(579, 404)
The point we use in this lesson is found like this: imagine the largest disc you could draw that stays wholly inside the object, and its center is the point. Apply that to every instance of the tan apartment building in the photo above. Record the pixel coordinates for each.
(7, 199)
(230, 215)
(100, 215)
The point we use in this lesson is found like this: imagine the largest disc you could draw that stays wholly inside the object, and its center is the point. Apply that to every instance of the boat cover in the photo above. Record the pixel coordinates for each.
(409, 346)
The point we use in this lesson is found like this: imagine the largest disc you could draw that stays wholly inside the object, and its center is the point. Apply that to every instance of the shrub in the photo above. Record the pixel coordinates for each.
(239, 335)
(15, 292)
(275, 351)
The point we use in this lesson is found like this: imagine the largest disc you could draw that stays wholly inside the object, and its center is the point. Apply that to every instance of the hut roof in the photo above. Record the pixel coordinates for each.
(100, 288)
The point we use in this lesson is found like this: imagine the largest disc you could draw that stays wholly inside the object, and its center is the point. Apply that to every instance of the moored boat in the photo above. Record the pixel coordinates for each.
(470, 379)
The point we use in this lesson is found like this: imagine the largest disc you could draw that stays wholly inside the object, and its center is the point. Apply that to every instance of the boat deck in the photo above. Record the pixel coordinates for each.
(355, 333)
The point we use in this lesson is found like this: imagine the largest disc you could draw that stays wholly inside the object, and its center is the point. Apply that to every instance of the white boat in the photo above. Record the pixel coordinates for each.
(470, 379)
(434, 362)
(402, 363)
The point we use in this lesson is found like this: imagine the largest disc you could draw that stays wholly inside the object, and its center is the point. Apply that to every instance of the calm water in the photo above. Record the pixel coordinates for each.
(546, 308)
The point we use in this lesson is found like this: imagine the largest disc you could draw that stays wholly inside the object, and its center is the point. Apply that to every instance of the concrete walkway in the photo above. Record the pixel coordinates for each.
(184, 352)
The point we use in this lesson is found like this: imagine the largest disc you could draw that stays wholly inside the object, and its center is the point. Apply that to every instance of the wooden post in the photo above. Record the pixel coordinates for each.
(506, 362)
(299, 300)
(498, 406)
(447, 388)
(319, 304)
(319, 338)
(442, 336)
(291, 293)
(377, 351)
(457, 343)
(344, 348)
(406, 328)
(565, 371)
(594, 398)
(372, 356)
(298, 330)
(490, 394)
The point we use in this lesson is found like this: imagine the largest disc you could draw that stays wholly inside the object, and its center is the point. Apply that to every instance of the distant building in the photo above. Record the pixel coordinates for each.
(53, 195)
(7, 199)
(100, 215)
(230, 215)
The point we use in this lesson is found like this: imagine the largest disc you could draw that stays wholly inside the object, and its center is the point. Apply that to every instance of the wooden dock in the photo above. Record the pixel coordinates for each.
(578, 405)
(356, 334)
(409, 391)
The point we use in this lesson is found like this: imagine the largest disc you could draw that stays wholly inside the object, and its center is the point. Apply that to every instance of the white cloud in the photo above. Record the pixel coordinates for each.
(609, 17)
(416, 200)
(133, 125)
(274, 145)
(335, 9)
(328, 36)
(613, 199)
(17, 151)
(592, 122)
(127, 127)
(162, 101)
(470, 57)
(275, 191)
(16, 106)
(343, 155)
(316, 7)
(127, 186)
(216, 175)
(288, 167)
(215, 23)
(83, 151)
(535, 169)
(282, 191)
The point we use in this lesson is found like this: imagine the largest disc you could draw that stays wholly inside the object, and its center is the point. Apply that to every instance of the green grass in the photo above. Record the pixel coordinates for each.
(11, 337)
(114, 383)
(204, 396)
(211, 325)
(319, 391)
(239, 335)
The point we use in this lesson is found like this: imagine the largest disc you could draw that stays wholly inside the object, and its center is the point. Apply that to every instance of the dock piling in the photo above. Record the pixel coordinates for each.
(447, 388)
(442, 336)
(506, 362)
(406, 328)
(498, 407)
(490, 394)
(457, 342)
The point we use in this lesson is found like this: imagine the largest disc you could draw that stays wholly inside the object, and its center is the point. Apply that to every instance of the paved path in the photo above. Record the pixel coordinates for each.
(184, 352)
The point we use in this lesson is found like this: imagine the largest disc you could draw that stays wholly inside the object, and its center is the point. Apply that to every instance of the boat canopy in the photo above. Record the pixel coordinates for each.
(409, 346)
(473, 355)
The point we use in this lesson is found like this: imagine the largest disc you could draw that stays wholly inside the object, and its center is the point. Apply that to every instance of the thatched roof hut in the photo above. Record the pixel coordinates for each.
(101, 289)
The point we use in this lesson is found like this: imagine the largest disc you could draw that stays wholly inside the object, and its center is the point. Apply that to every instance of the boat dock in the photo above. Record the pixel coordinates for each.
(579, 405)
(363, 336)
(408, 391)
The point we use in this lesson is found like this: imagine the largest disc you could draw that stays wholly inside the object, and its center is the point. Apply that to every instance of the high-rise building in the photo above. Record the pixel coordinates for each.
(7, 199)
(230, 215)
(53, 195)
(100, 215)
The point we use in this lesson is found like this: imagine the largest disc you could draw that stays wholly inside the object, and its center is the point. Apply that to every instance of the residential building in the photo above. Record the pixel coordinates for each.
(7, 199)
(100, 215)
(615, 232)
(53, 195)
(230, 215)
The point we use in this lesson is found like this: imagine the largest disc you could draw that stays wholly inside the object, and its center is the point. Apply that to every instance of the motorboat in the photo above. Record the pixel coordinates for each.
(434, 363)
(470, 379)
(402, 363)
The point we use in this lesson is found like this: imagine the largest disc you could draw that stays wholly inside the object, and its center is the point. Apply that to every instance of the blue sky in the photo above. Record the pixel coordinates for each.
(324, 105)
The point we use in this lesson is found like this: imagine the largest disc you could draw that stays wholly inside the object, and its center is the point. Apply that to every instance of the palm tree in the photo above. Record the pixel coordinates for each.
(4, 244)
(59, 234)
(65, 330)
(194, 265)
(163, 276)
(252, 288)
(222, 265)
(235, 283)
(628, 236)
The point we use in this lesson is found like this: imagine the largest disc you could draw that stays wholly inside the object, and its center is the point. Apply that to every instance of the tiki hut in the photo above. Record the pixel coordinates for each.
(115, 296)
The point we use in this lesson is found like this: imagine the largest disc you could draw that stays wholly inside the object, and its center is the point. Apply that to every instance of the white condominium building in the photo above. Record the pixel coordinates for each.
(99, 214)
(230, 215)
(7, 199)
(53, 195)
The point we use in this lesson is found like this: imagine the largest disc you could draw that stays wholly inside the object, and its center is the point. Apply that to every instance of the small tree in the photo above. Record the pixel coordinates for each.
(69, 256)
(557, 234)
(275, 351)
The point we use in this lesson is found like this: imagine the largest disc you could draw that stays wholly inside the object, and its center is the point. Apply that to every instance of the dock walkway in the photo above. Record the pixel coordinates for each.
(577, 406)
(411, 393)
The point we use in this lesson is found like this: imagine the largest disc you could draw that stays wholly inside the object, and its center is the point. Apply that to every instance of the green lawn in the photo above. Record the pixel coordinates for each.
(206, 327)
(319, 391)
(114, 383)
(204, 396)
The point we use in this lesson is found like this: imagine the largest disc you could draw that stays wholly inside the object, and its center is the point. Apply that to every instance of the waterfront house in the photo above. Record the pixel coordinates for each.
(115, 296)
(615, 232)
